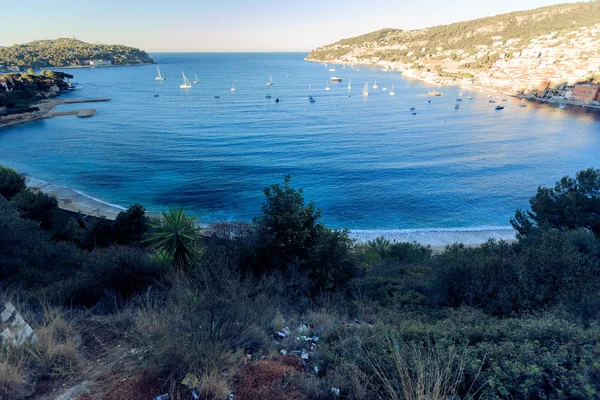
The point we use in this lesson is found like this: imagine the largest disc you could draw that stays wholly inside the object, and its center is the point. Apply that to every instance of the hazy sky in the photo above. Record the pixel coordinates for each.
(233, 25)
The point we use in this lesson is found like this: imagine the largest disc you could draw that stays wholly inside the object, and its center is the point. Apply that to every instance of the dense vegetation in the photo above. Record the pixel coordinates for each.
(68, 52)
(405, 46)
(19, 90)
(286, 308)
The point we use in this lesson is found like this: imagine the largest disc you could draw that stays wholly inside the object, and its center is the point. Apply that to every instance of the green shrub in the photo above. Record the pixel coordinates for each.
(11, 182)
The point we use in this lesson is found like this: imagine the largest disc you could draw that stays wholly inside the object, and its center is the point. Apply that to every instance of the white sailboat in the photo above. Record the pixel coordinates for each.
(469, 97)
(186, 84)
(232, 87)
(196, 79)
(349, 86)
(392, 92)
(159, 77)
(365, 91)
(375, 84)
(270, 83)
(327, 86)
(310, 98)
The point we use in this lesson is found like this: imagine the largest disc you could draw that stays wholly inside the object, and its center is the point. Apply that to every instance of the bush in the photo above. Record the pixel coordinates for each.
(11, 182)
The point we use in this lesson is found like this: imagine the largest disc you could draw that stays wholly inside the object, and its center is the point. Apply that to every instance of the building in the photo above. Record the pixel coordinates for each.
(100, 63)
(585, 93)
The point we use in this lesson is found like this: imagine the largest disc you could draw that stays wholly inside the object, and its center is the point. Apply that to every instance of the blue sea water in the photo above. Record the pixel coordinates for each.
(368, 163)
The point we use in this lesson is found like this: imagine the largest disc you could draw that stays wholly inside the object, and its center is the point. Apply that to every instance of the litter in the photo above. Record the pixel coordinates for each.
(335, 392)
(304, 355)
(190, 380)
(162, 397)
(316, 369)
(283, 352)
(195, 394)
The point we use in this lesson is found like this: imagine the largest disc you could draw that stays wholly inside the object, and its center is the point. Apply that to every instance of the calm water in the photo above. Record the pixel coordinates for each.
(367, 162)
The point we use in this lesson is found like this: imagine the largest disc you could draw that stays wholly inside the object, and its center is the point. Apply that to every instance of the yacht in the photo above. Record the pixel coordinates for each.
(186, 84)
(499, 107)
(392, 92)
(365, 91)
(327, 86)
(375, 84)
(335, 79)
(232, 87)
(522, 105)
(159, 77)
(349, 86)
(196, 79)
(270, 83)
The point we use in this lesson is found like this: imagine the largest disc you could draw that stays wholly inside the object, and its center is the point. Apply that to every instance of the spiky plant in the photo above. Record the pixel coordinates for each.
(176, 238)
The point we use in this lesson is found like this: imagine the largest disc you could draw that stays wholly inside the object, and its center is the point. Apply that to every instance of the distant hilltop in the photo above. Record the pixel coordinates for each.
(517, 51)
(68, 53)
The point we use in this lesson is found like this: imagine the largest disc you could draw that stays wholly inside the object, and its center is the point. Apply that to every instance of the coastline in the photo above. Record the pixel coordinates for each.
(438, 238)
(473, 85)
(46, 110)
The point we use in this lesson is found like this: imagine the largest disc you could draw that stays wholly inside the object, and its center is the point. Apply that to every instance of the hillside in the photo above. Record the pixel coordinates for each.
(69, 52)
(454, 40)
(540, 53)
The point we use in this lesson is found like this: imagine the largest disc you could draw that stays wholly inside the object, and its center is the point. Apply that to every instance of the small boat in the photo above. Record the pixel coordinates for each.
(277, 100)
(217, 97)
(458, 99)
(392, 92)
(384, 89)
(287, 76)
(522, 105)
(492, 101)
(232, 87)
(504, 100)
(331, 69)
(327, 86)
(412, 108)
(434, 93)
(186, 84)
(159, 77)
(562, 106)
(155, 95)
(469, 97)
(349, 86)
(270, 83)
(335, 79)
(375, 86)
(365, 91)
(268, 96)
(414, 113)
(456, 107)
(499, 107)
(196, 79)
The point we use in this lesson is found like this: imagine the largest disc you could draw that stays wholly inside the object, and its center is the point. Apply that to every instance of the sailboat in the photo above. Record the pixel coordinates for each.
(469, 97)
(365, 91)
(327, 86)
(375, 84)
(270, 83)
(310, 98)
(392, 92)
(196, 79)
(159, 77)
(232, 87)
(349, 86)
(186, 84)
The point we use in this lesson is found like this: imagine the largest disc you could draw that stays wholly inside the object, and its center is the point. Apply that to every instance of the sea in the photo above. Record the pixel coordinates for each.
(441, 176)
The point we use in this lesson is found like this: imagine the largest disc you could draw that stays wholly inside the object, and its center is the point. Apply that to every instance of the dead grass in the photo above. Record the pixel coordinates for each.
(13, 375)
(271, 380)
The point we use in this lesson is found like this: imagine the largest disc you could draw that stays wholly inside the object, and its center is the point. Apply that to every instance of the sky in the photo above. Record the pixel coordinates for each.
(234, 25)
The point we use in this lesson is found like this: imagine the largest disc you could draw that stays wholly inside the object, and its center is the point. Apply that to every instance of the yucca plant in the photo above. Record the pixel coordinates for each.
(176, 239)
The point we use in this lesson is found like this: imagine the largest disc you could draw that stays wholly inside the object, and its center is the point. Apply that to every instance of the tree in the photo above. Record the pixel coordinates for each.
(131, 225)
(288, 227)
(176, 237)
(571, 204)
(11, 182)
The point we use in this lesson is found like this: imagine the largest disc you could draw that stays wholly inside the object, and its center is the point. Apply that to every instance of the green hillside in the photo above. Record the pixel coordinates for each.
(401, 46)
(69, 52)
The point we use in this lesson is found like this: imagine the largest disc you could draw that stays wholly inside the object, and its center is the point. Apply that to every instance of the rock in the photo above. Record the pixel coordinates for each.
(74, 392)
(13, 328)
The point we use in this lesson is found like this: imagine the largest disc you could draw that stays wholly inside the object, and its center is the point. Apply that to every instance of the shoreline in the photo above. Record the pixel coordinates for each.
(74, 201)
(474, 85)
(46, 110)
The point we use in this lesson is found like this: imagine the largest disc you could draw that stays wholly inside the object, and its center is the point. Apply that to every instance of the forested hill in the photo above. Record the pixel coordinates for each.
(462, 37)
(69, 52)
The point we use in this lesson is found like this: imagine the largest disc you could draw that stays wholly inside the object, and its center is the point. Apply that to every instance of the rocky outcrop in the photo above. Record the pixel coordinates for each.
(14, 329)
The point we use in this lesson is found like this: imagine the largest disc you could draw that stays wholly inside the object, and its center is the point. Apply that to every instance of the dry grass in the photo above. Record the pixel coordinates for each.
(57, 348)
(270, 380)
(13, 375)
(420, 373)
(213, 387)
